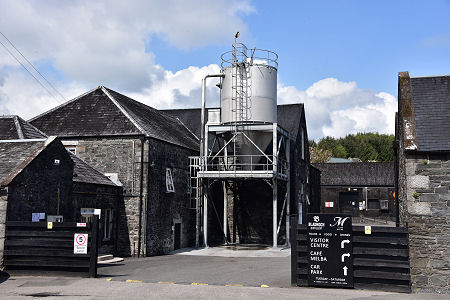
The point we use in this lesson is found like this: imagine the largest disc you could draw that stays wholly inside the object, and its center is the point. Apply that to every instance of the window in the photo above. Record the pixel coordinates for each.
(170, 188)
(373, 204)
(108, 224)
(384, 204)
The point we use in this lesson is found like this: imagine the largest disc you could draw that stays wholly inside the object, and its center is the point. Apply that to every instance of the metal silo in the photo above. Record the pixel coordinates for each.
(246, 142)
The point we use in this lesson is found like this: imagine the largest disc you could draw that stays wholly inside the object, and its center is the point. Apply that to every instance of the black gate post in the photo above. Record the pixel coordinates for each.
(294, 254)
(94, 247)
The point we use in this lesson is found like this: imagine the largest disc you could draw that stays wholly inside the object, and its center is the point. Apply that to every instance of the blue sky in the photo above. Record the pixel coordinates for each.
(340, 58)
(364, 41)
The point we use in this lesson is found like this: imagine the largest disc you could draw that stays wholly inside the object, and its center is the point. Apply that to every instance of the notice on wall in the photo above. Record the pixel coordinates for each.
(80, 243)
(330, 258)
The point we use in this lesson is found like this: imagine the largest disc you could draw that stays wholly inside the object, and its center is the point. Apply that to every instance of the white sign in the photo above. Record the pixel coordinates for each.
(35, 217)
(81, 224)
(80, 242)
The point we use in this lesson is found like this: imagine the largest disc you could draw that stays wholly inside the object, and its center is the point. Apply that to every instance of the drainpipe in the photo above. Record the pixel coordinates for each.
(203, 152)
(141, 193)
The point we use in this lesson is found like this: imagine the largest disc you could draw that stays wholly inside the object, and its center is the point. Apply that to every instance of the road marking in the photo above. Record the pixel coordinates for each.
(108, 279)
(198, 283)
(237, 284)
(133, 281)
(166, 282)
(264, 286)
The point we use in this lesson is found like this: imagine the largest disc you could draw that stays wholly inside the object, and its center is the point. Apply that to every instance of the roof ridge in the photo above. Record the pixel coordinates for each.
(18, 127)
(116, 103)
(34, 127)
(62, 105)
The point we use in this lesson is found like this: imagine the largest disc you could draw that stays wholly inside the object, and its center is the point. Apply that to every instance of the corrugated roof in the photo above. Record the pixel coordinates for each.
(14, 128)
(431, 100)
(104, 112)
(357, 174)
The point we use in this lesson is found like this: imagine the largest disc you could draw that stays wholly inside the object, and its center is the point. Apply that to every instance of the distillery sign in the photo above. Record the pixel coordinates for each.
(330, 259)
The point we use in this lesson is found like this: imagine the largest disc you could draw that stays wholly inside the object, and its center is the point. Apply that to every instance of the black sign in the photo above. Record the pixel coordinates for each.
(330, 259)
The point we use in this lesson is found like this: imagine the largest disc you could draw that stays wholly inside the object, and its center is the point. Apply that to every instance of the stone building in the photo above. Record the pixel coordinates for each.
(363, 189)
(40, 176)
(143, 148)
(423, 170)
(250, 204)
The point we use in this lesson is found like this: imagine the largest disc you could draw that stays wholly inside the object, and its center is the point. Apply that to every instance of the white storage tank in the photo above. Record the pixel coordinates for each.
(249, 88)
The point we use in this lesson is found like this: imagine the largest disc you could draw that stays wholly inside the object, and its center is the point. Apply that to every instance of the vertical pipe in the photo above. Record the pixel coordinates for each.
(141, 194)
(288, 191)
(274, 186)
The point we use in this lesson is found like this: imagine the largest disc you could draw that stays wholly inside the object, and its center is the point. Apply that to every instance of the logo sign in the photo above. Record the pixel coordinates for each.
(330, 258)
(80, 242)
(329, 204)
(81, 224)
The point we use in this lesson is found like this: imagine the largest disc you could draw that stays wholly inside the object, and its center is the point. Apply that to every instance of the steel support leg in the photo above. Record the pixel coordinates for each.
(275, 212)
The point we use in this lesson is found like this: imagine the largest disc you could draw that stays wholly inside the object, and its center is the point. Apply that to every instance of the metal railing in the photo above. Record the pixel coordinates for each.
(241, 54)
(239, 163)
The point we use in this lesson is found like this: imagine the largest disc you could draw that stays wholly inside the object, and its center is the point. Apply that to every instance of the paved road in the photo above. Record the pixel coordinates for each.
(85, 288)
(212, 270)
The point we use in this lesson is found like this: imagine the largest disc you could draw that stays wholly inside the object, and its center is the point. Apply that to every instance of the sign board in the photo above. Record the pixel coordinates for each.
(49, 225)
(80, 242)
(330, 258)
(329, 204)
(81, 224)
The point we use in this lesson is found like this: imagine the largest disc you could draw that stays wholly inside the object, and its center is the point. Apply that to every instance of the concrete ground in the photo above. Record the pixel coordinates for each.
(84, 288)
(219, 273)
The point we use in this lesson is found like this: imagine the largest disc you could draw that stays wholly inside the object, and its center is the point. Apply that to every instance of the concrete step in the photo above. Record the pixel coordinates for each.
(104, 257)
(111, 261)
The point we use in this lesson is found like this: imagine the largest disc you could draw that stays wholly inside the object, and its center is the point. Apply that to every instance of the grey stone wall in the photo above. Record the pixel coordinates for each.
(3, 204)
(428, 218)
(104, 197)
(121, 155)
(40, 184)
(163, 208)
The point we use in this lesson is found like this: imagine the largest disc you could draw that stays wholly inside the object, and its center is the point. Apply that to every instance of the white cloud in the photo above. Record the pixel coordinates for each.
(81, 44)
(337, 108)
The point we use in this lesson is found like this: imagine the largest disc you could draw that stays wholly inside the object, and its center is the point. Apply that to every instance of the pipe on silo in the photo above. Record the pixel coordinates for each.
(203, 152)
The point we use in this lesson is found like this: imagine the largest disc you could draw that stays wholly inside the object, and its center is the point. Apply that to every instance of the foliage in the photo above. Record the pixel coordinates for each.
(365, 146)
(319, 155)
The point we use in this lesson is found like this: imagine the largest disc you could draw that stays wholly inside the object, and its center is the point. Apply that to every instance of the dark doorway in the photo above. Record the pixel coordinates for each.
(348, 202)
(177, 236)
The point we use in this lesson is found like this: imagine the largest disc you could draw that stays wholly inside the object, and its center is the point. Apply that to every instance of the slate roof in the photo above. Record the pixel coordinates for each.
(289, 116)
(16, 155)
(357, 174)
(85, 173)
(104, 112)
(15, 128)
(431, 100)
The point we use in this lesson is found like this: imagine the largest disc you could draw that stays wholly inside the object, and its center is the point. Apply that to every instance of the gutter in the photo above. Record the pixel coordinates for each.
(141, 195)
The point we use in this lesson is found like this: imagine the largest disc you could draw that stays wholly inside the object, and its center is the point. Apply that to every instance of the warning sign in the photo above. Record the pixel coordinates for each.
(80, 243)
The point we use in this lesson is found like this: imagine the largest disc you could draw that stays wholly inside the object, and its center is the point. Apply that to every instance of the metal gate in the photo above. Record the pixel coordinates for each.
(35, 246)
(381, 259)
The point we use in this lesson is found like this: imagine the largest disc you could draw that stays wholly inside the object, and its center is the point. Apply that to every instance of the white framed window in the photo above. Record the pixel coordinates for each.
(108, 224)
(170, 188)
